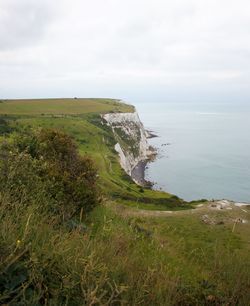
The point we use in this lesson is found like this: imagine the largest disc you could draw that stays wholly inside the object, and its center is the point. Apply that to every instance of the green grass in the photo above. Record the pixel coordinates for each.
(115, 255)
(62, 106)
(176, 260)
(96, 140)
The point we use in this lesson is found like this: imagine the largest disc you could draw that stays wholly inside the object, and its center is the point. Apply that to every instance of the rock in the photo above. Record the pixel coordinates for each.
(132, 145)
(240, 220)
(222, 204)
(239, 204)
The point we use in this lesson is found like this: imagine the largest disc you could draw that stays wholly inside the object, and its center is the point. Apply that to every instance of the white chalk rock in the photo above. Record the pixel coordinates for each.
(132, 145)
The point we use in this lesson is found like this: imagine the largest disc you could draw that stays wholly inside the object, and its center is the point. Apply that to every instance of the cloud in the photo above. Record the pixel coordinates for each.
(23, 23)
(114, 47)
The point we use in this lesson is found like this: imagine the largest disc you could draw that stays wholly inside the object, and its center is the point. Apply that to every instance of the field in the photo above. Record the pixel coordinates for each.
(139, 247)
(61, 106)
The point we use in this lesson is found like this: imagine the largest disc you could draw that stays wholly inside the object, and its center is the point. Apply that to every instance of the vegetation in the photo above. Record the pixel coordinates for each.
(62, 106)
(73, 231)
(46, 167)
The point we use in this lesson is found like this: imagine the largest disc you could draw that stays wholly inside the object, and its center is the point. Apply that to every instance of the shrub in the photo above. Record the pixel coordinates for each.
(5, 127)
(45, 168)
(19, 179)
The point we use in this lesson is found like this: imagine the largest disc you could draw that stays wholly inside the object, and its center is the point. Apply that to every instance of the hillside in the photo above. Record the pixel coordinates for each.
(137, 247)
(92, 136)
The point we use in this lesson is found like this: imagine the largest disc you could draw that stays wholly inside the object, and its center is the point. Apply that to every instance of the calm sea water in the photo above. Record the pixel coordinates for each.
(204, 149)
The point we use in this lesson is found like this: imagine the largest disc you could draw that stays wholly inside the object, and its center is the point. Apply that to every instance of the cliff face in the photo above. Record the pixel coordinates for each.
(132, 145)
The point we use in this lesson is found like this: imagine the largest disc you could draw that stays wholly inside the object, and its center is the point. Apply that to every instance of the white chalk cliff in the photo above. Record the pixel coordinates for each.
(132, 145)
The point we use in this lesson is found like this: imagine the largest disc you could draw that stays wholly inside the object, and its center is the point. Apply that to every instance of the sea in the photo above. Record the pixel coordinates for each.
(203, 149)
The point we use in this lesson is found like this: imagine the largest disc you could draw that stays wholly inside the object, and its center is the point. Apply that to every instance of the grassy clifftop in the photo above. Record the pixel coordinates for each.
(74, 106)
(119, 253)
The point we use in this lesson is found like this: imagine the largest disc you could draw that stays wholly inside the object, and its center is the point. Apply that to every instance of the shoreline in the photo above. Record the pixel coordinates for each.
(151, 134)
(138, 174)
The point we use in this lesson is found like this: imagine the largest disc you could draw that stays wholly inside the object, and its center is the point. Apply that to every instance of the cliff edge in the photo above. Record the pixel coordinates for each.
(132, 145)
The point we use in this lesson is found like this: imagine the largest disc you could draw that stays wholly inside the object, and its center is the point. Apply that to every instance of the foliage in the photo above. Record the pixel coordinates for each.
(5, 127)
(43, 264)
(119, 260)
(114, 254)
(45, 168)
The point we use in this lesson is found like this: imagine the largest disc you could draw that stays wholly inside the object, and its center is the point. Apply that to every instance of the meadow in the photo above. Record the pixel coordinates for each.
(61, 106)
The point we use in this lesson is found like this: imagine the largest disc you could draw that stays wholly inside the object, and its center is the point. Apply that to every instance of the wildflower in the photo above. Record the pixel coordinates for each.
(18, 242)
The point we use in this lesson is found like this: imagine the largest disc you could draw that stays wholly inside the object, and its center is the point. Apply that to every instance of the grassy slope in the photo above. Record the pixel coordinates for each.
(157, 261)
(80, 118)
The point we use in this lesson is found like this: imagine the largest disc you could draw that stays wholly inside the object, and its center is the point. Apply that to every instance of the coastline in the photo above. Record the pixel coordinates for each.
(151, 134)
(138, 172)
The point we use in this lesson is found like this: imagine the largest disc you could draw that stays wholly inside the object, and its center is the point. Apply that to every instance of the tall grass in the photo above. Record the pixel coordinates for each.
(105, 260)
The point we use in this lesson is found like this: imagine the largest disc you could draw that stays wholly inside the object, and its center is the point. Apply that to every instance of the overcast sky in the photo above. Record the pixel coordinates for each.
(138, 50)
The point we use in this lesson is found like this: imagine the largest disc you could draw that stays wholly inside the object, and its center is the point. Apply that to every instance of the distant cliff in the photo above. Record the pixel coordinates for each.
(132, 145)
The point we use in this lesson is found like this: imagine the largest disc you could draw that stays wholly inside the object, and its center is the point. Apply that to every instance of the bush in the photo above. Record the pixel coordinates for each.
(5, 127)
(45, 168)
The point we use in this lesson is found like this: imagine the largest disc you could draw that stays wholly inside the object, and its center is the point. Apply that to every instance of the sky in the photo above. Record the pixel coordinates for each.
(136, 50)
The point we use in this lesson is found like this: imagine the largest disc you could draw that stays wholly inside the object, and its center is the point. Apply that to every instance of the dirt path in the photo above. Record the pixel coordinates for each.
(136, 212)
(219, 206)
